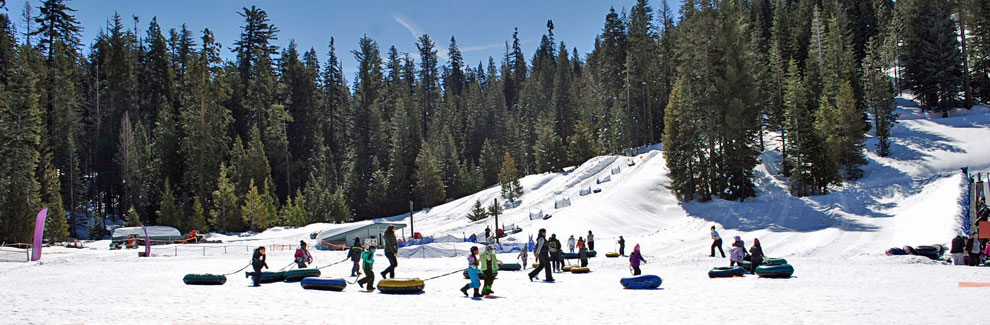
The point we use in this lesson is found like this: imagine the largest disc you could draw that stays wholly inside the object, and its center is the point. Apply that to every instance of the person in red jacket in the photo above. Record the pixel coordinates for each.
(302, 255)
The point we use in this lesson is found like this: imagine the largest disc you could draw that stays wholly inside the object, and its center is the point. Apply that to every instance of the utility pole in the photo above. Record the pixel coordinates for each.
(412, 228)
(496, 221)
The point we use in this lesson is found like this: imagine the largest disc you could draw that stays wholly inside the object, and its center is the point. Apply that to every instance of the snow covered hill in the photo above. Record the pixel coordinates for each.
(835, 242)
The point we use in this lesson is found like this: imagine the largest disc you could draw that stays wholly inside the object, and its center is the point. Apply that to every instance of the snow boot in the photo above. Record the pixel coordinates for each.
(464, 290)
(476, 294)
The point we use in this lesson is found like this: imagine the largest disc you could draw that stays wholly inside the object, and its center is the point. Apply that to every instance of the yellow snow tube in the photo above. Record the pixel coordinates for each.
(567, 268)
(579, 269)
(612, 255)
(401, 286)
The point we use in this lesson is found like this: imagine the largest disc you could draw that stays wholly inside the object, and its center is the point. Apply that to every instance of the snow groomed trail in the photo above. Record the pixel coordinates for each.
(835, 242)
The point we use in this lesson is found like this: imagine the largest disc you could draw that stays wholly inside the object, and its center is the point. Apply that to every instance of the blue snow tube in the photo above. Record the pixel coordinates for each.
(641, 282)
(770, 261)
(775, 271)
(299, 274)
(571, 256)
(315, 283)
(510, 267)
(931, 252)
(895, 251)
(726, 272)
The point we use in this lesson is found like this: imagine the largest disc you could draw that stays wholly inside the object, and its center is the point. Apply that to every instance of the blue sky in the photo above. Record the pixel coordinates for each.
(481, 27)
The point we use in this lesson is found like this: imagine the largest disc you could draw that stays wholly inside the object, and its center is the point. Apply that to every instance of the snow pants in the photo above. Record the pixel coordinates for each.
(544, 259)
(717, 243)
(369, 277)
(392, 263)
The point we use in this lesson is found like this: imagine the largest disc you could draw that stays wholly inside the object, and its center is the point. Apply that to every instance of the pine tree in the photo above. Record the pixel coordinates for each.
(979, 49)
(489, 162)
(205, 122)
(197, 220)
(851, 132)
(930, 53)
(369, 86)
(827, 161)
(21, 134)
(294, 213)
(879, 96)
(508, 177)
(549, 151)
(477, 212)
(225, 213)
(258, 210)
(581, 145)
(169, 213)
(132, 218)
(800, 137)
(429, 185)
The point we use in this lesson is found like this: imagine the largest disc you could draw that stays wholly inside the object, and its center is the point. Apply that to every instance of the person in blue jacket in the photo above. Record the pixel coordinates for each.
(472, 273)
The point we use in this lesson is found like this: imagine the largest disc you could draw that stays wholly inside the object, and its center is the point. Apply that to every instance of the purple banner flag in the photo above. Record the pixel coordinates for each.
(39, 234)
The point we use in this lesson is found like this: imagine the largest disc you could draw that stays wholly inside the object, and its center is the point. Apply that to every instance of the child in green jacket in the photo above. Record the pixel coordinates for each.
(368, 259)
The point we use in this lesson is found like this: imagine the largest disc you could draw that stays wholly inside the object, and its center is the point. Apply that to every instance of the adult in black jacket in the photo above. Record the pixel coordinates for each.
(956, 250)
(391, 247)
(355, 255)
(543, 251)
(555, 253)
(258, 262)
(756, 254)
(622, 246)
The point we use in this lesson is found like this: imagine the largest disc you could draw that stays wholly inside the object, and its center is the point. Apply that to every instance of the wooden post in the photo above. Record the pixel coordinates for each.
(496, 221)
(412, 227)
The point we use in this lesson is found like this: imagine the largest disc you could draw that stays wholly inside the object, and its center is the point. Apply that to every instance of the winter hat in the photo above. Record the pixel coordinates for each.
(636, 249)
(737, 238)
(302, 243)
(489, 247)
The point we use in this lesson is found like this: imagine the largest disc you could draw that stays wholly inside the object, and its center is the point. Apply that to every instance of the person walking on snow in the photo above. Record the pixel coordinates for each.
(716, 242)
(523, 255)
(737, 252)
(368, 259)
(634, 259)
(472, 273)
(591, 241)
(570, 243)
(973, 248)
(582, 252)
(257, 262)
(391, 247)
(489, 267)
(355, 255)
(756, 254)
(956, 250)
(622, 246)
(302, 255)
(544, 257)
(555, 253)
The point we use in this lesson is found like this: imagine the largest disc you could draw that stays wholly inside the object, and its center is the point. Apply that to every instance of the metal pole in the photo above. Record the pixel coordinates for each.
(496, 221)
(412, 227)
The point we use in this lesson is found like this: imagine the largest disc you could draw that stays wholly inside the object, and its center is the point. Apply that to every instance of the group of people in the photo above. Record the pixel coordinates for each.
(738, 253)
(968, 251)
(484, 265)
(362, 257)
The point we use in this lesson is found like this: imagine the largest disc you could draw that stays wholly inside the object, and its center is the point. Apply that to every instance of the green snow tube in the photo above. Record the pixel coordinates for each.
(770, 261)
(299, 274)
(775, 271)
(204, 279)
(268, 277)
(725, 272)
(510, 267)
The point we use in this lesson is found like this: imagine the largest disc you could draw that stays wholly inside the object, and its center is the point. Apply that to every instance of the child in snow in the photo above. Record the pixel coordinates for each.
(368, 257)
(634, 259)
(472, 273)
(257, 262)
(355, 255)
(756, 254)
(489, 267)
(302, 255)
(737, 252)
(523, 256)
(622, 246)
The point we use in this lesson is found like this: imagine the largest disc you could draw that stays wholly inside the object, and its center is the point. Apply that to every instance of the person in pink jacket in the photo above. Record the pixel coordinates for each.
(634, 259)
(302, 255)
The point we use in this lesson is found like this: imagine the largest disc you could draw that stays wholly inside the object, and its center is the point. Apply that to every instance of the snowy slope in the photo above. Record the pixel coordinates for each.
(834, 241)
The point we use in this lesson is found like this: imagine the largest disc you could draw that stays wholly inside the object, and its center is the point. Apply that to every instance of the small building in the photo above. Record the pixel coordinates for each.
(343, 237)
(155, 233)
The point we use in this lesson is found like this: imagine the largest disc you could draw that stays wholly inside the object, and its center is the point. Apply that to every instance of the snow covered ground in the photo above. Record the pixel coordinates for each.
(835, 243)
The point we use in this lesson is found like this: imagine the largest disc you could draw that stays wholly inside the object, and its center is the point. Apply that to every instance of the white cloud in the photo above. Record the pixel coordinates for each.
(408, 24)
(482, 47)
